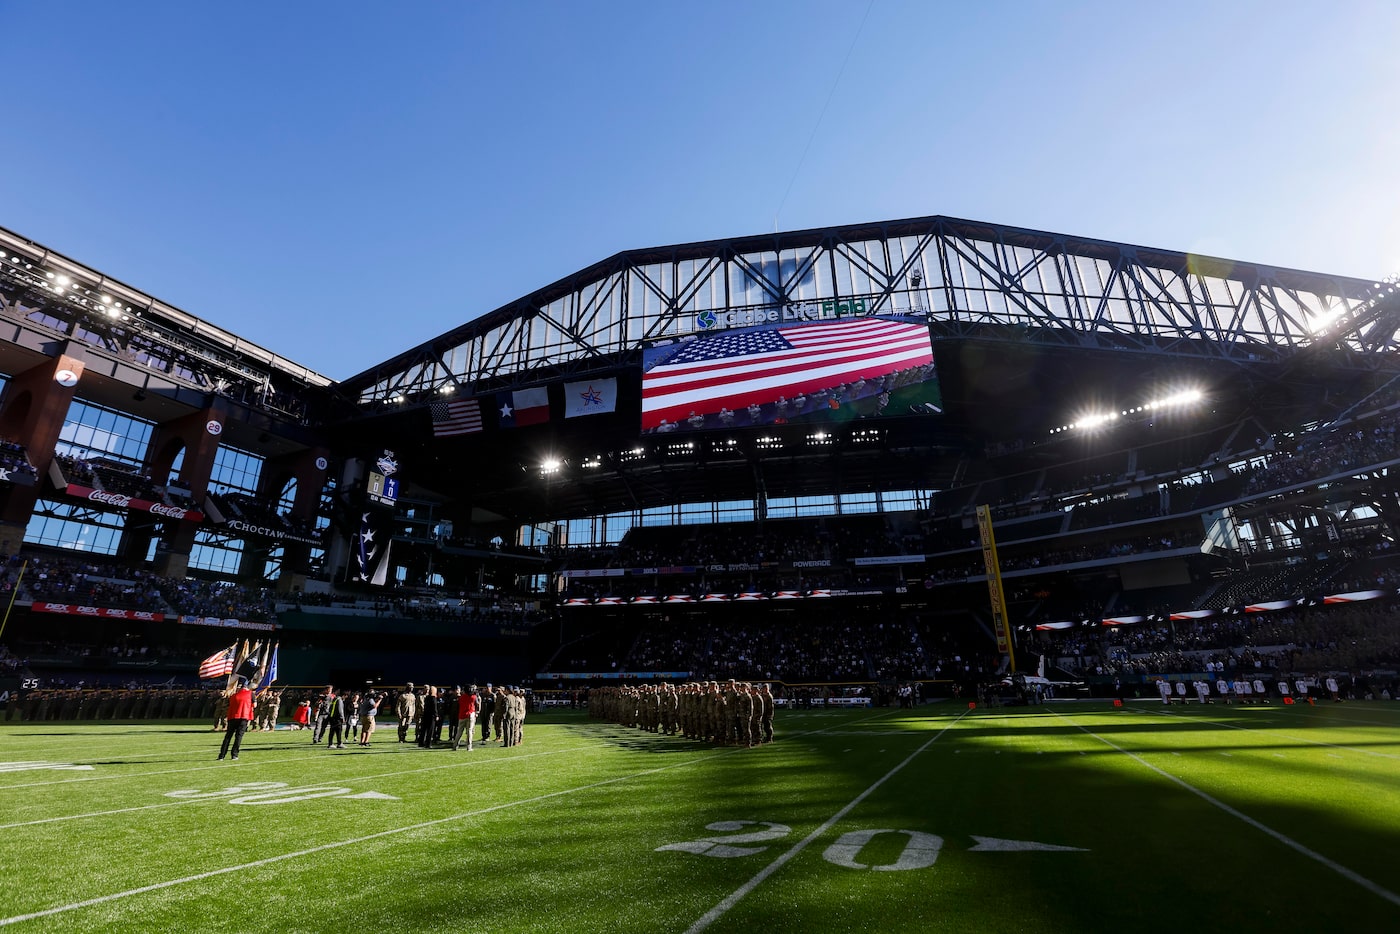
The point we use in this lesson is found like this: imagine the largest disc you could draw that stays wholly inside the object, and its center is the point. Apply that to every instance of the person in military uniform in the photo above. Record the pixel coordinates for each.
(428, 717)
(521, 709)
(499, 714)
(766, 720)
(274, 708)
(740, 705)
(407, 709)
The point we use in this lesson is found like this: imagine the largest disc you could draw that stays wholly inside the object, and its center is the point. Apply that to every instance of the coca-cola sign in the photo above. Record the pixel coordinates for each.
(122, 501)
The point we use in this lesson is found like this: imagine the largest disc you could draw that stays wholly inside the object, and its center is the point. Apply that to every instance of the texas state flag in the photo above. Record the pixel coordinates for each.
(523, 407)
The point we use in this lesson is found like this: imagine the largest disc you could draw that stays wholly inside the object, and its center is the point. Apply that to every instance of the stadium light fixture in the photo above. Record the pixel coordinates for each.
(1185, 397)
(1325, 319)
(447, 389)
(550, 465)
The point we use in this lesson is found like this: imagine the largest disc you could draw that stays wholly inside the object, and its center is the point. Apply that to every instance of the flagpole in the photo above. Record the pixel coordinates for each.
(13, 593)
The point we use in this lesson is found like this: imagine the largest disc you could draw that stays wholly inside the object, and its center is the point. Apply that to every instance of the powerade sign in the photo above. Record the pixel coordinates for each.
(775, 314)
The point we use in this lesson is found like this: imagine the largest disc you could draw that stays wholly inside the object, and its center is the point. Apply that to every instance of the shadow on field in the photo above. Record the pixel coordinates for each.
(637, 740)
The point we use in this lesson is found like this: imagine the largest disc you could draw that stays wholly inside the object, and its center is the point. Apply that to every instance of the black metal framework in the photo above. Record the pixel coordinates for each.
(48, 292)
(970, 279)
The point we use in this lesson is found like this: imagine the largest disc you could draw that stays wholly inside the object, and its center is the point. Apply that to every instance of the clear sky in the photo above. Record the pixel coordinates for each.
(339, 181)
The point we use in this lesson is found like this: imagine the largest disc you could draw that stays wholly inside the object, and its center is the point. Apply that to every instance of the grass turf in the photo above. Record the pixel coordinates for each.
(854, 820)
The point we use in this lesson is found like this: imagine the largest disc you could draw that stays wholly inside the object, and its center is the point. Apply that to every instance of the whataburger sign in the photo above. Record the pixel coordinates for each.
(131, 502)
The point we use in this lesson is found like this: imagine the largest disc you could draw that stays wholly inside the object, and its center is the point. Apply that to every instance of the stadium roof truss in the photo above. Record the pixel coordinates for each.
(970, 279)
(48, 292)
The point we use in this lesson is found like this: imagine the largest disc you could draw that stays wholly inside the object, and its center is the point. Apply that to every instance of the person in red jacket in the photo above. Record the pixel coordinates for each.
(240, 712)
(466, 717)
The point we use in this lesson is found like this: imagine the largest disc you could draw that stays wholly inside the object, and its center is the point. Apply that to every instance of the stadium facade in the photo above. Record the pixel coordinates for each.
(882, 380)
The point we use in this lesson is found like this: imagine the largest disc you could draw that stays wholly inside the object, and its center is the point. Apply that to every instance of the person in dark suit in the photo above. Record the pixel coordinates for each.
(334, 708)
(429, 717)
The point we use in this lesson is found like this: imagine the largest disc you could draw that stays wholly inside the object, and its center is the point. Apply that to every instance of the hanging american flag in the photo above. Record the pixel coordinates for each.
(458, 417)
(759, 366)
(220, 664)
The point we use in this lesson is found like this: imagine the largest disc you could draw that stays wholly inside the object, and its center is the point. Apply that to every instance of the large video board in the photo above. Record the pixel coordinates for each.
(809, 373)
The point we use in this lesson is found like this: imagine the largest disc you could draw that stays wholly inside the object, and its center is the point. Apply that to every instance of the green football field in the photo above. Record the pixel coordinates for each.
(1066, 818)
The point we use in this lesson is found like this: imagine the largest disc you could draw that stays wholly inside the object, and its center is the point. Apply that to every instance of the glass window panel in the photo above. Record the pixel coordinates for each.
(853, 503)
(236, 469)
(98, 533)
(90, 429)
(215, 553)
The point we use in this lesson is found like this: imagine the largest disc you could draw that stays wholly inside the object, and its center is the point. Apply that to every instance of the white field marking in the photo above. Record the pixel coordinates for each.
(39, 765)
(873, 732)
(111, 777)
(998, 845)
(393, 831)
(717, 912)
(1296, 739)
(223, 765)
(354, 780)
(1346, 720)
(1287, 841)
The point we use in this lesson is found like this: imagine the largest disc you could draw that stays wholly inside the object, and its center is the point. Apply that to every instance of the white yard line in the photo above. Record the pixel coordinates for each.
(394, 831)
(346, 780)
(350, 780)
(196, 768)
(1296, 739)
(1287, 841)
(717, 912)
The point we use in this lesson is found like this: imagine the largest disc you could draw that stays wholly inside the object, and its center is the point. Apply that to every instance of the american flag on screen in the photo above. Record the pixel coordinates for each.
(458, 417)
(220, 664)
(758, 365)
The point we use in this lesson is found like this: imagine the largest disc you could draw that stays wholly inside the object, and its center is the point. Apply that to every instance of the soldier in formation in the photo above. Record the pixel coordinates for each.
(731, 713)
(266, 708)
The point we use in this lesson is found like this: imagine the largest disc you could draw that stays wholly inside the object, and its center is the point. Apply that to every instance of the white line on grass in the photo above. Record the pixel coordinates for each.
(226, 766)
(229, 767)
(393, 831)
(327, 783)
(717, 912)
(1263, 828)
(156, 886)
(202, 768)
(1296, 739)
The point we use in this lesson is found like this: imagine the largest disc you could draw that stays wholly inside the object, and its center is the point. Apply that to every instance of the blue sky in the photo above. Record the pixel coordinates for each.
(341, 181)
